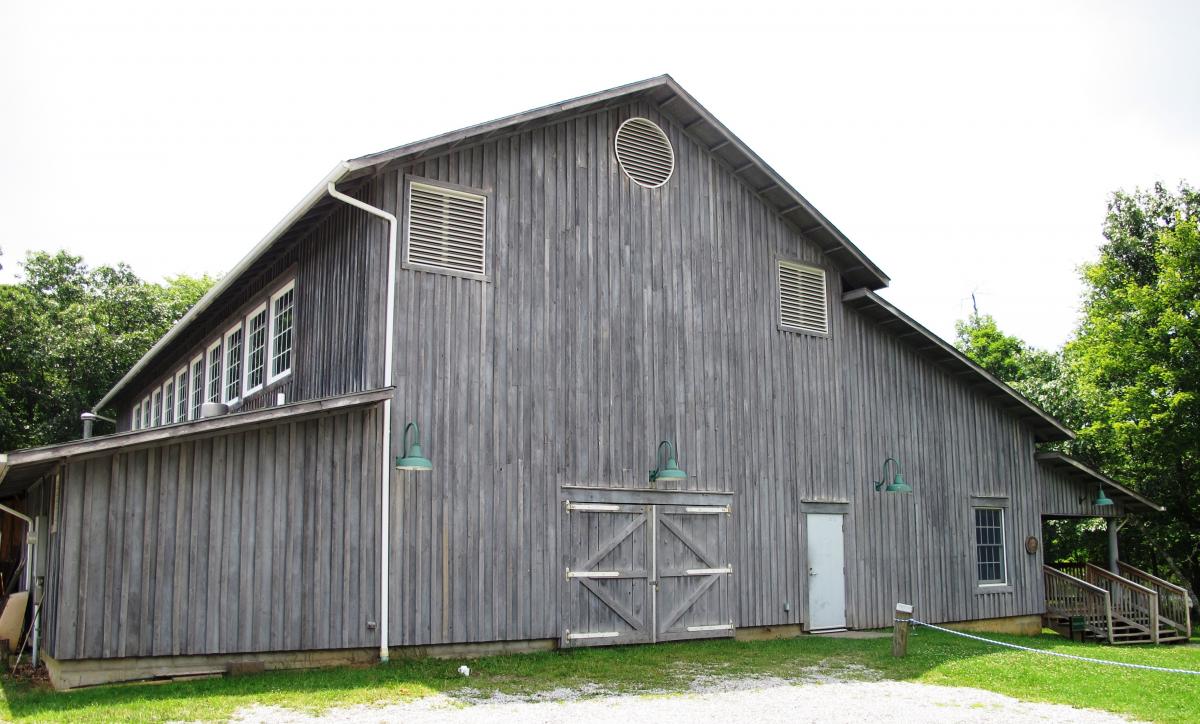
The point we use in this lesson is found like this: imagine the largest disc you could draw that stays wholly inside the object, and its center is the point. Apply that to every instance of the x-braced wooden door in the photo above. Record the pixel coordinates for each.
(693, 577)
(639, 573)
(607, 597)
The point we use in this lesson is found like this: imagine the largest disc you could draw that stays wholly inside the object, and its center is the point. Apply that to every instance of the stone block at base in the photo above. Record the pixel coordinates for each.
(1017, 625)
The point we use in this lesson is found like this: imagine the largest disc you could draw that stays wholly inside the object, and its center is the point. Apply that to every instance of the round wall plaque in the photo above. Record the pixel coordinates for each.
(1031, 545)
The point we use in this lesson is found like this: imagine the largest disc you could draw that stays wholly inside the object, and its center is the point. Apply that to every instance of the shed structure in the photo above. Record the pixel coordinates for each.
(548, 296)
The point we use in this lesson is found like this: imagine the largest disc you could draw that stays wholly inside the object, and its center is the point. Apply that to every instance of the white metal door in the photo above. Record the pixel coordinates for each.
(826, 572)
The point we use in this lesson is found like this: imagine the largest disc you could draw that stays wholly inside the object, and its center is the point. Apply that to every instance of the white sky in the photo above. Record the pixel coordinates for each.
(963, 148)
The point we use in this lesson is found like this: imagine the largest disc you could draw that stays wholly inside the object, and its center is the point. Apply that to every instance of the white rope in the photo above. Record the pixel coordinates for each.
(1050, 653)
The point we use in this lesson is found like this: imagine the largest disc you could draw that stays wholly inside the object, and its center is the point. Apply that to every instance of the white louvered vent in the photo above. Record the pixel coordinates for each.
(446, 229)
(802, 299)
(645, 153)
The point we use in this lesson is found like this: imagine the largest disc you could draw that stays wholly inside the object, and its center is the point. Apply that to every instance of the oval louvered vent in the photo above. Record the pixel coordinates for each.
(446, 229)
(645, 153)
(802, 305)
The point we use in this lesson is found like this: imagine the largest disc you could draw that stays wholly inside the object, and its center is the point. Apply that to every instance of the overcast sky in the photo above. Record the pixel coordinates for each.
(963, 148)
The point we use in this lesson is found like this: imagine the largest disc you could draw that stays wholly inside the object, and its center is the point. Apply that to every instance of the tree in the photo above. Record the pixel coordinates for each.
(1136, 357)
(67, 334)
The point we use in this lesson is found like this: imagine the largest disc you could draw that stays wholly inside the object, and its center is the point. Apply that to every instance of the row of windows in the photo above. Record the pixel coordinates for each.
(253, 353)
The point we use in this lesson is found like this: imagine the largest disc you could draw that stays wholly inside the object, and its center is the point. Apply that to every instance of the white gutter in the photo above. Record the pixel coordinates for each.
(385, 471)
(310, 200)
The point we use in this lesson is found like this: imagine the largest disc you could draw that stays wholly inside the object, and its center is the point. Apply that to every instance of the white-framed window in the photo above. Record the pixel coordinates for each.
(136, 424)
(256, 350)
(156, 407)
(213, 356)
(282, 306)
(802, 298)
(168, 402)
(181, 395)
(197, 397)
(234, 349)
(990, 560)
(145, 412)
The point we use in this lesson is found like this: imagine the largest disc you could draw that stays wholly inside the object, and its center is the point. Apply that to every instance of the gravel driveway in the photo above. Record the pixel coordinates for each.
(759, 700)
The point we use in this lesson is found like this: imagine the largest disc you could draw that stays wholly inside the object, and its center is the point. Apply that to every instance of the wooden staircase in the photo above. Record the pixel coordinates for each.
(1132, 608)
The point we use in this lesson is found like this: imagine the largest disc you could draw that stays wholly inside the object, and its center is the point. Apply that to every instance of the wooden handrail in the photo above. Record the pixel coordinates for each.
(1150, 607)
(1077, 581)
(1105, 573)
(1068, 596)
(1151, 577)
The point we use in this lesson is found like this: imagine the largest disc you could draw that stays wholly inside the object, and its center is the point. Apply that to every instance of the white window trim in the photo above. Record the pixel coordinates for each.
(186, 394)
(135, 419)
(247, 390)
(1003, 583)
(156, 407)
(168, 402)
(207, 395)
(146, 411)
(225, 363)
(195, 413)
(269, 376)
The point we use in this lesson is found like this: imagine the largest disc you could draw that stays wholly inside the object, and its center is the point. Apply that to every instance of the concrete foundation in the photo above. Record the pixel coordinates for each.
(72, 674)
(767, 633)
(1019, 625)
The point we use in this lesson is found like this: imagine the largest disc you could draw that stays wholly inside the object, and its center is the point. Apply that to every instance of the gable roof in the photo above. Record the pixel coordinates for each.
(671, 98)
(1045, 427)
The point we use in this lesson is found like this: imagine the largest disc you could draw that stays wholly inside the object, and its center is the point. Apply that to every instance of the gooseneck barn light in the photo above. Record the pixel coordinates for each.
(671, 470)
(413, 458)
(897, 485)
(1102, 499)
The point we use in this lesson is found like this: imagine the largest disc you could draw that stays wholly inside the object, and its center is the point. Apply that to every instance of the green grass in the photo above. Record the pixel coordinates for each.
(934, 657)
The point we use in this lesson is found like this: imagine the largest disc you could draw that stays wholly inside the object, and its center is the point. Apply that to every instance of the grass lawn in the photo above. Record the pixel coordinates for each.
(934, 658)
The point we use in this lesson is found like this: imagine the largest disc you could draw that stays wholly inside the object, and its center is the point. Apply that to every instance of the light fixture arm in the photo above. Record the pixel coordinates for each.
(417, 434)
(880, 483)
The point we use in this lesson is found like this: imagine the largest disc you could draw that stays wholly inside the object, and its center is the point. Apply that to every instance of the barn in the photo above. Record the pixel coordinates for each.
(592, 374)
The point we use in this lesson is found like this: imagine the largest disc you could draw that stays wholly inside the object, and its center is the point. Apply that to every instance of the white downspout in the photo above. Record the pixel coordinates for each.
(385, 472)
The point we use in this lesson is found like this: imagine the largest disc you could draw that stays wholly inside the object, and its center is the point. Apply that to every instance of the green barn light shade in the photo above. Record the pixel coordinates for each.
(413, 458)
(1102, 499)
(671, 470)
(897, 485)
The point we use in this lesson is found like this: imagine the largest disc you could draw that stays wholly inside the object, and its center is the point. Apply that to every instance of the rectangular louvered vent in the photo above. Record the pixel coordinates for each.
(802, 299)
(446, 229)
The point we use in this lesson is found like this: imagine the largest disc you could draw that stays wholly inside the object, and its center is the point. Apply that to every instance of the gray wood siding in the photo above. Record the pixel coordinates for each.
(615, 316)
(257, 540)
(340, 271)
(1064, 497)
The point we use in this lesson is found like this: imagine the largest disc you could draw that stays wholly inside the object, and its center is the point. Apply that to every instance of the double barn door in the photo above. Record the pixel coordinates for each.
(646, 572)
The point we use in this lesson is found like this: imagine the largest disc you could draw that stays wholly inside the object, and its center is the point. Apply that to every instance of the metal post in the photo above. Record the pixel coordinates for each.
(1113, 550)
(904, 614)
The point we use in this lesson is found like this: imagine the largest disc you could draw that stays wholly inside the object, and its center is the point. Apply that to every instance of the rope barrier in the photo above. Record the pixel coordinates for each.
(1109, 662)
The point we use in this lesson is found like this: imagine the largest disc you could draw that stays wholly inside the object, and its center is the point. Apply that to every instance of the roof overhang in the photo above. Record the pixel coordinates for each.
(22, 468)
(1045, 427)
(852, 264)
(1075, 470)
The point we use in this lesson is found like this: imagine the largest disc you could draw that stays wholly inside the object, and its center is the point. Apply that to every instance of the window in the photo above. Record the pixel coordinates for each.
(446, 230)
(802, 298)
(233, 364)
(168, 415)
(282, 305)
(146, 412)
(156, 408)
(989, 547)
(256, 349)
(214, 372)
(181, 395)
(197, 366)
(137, 416)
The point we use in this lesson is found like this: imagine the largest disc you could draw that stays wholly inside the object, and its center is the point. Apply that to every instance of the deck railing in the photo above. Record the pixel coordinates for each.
(1133, 604)
(1174, 605)
(1068, 596)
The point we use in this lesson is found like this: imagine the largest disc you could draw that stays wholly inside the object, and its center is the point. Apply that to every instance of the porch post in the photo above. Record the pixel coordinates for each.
(1113, 551)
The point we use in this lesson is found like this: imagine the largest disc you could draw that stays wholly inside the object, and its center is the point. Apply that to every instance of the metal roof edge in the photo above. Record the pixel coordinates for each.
(1100, 477)
(870, 296)
(227, 280)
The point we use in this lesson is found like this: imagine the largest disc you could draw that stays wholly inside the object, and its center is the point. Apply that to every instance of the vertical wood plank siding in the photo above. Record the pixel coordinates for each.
(612, 317)
(257, 540)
